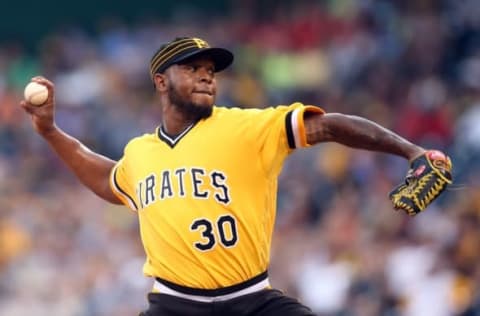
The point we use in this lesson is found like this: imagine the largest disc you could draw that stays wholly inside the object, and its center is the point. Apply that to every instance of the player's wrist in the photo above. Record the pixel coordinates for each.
(47, 131)
(414, 152)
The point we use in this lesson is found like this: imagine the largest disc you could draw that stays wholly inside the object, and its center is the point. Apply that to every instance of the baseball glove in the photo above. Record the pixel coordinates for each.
(428, 176)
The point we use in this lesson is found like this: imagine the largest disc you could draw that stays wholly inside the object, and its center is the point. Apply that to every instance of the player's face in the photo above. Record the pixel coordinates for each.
(193, 86)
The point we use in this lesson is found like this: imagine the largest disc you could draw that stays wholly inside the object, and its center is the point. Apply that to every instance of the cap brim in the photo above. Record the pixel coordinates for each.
(221, 57)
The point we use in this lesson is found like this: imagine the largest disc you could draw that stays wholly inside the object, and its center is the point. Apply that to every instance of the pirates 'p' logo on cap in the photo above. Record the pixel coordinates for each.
(200, 43)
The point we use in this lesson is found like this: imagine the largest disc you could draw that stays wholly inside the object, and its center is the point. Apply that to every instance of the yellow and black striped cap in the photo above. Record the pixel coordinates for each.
(182, 48)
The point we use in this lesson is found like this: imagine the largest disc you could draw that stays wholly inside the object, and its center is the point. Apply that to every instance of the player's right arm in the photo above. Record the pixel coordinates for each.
(92, 169)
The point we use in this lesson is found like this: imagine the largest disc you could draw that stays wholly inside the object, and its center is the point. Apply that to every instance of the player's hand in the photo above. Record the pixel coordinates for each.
(43, 116)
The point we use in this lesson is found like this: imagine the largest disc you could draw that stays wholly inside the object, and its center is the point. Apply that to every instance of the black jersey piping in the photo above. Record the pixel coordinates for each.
(172, 141)
(289, 129)
(121, 190)
(215, 292)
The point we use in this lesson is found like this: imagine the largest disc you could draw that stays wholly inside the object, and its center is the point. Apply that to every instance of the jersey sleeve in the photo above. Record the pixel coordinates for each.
(280, 130)
(120, 185)
(295, 125)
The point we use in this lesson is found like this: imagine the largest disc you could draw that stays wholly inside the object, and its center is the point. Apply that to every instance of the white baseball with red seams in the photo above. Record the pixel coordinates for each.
(35, 93)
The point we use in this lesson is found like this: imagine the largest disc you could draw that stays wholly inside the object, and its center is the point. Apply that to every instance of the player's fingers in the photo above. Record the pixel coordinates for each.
(44, 81)
(28, 108)
(31, 108)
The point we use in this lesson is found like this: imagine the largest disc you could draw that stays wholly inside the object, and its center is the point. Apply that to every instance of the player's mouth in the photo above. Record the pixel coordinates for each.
(203, 92)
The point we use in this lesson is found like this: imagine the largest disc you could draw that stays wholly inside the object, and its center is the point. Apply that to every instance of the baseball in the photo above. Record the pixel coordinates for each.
(35, 93)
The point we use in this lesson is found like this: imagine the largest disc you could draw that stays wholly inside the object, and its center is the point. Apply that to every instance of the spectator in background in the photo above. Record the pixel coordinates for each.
(426, 118)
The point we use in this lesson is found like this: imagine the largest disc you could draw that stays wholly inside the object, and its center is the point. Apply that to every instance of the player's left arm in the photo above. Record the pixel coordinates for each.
(430, 170)
(357, 132)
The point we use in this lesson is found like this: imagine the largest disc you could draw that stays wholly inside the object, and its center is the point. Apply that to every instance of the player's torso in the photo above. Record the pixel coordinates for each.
(206, 206)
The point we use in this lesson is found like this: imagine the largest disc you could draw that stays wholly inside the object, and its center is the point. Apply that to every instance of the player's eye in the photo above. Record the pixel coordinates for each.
(189, 68)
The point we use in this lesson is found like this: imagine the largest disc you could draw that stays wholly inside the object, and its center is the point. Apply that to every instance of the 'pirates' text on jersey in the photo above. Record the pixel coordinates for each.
(206, 199)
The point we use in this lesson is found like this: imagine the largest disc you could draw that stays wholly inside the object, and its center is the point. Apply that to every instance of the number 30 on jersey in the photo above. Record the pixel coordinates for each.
(225, 228)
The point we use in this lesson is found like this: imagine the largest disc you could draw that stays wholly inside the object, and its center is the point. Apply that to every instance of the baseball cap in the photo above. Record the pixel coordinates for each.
(183, 48)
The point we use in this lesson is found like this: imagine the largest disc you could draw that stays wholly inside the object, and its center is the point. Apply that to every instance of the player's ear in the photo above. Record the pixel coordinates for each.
(160, 81)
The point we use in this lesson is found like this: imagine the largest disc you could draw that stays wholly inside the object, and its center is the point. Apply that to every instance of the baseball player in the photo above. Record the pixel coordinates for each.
(204, 183)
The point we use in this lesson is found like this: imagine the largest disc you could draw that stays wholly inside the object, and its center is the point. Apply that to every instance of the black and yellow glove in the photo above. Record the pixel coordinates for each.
(427, 178)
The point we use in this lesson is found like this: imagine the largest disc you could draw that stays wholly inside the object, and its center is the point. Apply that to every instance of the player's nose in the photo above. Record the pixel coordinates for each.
(205, 74)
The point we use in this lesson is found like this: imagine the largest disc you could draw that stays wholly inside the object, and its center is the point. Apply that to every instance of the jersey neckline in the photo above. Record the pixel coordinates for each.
(172, 140)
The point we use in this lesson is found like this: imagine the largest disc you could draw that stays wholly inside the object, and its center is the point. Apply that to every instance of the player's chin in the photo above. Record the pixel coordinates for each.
(203, 99)
(201, 111)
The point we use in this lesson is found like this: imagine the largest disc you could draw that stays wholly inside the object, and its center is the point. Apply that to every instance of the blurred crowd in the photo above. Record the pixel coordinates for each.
(411, 66)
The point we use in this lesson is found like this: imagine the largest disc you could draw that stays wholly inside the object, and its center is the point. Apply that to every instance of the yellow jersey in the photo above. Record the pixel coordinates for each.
(206, 199)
